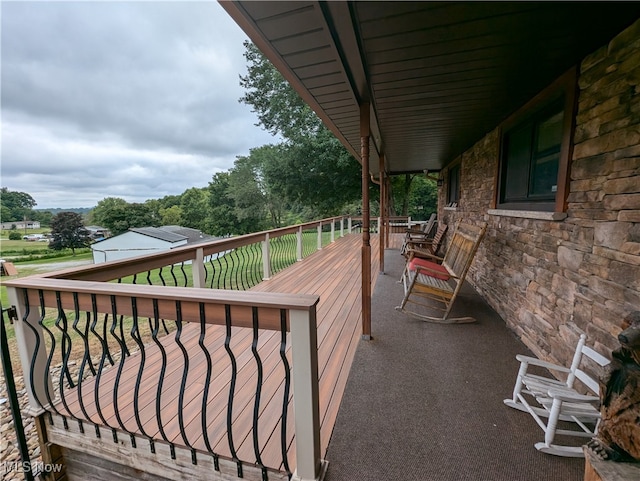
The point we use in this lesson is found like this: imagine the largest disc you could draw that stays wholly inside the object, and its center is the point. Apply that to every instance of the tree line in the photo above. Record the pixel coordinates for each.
(307, 175)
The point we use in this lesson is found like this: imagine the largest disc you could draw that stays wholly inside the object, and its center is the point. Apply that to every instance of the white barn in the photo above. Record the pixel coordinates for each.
(145, 240)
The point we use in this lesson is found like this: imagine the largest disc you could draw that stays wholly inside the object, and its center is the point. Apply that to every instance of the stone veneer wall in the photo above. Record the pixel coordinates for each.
(553, 280)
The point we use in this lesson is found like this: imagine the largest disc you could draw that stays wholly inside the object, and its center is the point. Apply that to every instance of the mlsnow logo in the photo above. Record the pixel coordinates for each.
(28, 467)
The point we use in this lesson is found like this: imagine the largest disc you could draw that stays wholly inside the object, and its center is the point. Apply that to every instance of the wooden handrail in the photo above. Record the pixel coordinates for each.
(116, 269)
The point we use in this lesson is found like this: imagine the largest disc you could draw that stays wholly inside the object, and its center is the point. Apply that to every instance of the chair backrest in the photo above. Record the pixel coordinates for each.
(428, 226)
(576, 372)
(462, 249)
(437, 239)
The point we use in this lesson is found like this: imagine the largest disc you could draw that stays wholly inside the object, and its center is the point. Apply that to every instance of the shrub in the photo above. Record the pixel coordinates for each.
(15, 235)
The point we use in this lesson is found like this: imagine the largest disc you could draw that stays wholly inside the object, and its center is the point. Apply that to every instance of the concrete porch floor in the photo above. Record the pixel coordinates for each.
(424, 401)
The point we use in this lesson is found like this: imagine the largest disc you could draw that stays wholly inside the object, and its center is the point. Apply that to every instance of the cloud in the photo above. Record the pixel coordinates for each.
(135, 100)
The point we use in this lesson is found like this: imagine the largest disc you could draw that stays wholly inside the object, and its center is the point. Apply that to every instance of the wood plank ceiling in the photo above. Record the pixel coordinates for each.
(438, 75)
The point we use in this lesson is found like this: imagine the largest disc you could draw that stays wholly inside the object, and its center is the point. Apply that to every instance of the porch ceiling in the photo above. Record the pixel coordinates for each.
(438, 75)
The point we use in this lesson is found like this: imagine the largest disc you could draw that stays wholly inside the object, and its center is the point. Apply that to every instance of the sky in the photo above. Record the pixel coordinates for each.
(136, 100)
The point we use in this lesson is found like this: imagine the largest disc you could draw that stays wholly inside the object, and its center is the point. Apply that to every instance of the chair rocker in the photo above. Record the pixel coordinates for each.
(438, 280)
(557, 401)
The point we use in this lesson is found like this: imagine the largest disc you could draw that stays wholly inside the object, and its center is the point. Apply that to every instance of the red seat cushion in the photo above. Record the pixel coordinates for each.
(441, 271)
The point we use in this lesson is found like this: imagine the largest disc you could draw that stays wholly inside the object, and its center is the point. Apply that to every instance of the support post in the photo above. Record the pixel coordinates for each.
(385, 220)
(349, 226)
(366, 237)
(306, 399)
(341, 226)
(198, 269)
(333, 230)
(299, 243)
(266, 258)
(388, 210)
(26, 341)
(320, 236)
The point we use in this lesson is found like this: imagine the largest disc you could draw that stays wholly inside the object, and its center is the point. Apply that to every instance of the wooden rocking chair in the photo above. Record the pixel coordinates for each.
(429, 246)
(440, 279)
(417, 235)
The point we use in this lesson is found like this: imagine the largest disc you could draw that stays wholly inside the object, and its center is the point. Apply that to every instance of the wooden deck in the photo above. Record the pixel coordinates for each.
(333, 274)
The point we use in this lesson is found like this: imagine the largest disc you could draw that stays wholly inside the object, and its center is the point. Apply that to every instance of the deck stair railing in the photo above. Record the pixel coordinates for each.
(119, 346)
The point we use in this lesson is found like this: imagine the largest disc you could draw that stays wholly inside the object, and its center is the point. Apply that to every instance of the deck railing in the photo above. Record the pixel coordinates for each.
(130, 345)
(236, 263)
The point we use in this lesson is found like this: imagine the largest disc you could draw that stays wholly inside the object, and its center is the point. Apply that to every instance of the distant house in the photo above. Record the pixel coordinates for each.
(146, 240)
(98, 233)
(20, 224)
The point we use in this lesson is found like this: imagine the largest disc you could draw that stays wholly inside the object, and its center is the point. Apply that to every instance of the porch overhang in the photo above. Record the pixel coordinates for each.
(437, 75)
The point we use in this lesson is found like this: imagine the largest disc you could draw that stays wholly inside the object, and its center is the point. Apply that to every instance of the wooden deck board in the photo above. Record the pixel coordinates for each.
(332, 273)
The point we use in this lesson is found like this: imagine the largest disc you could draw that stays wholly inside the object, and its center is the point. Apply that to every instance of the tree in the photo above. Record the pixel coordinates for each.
(16, 206)
(68, 232)
(278, 107)
(102, 211)
(193, 204)
(313, 169)
(222, 220)
(171, 215)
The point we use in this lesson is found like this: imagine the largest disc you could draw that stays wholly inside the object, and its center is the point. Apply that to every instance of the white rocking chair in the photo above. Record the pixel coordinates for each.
(559, 401)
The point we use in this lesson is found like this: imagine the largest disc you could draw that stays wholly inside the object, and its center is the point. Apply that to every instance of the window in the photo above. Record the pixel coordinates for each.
(453, 190)
(535, 153)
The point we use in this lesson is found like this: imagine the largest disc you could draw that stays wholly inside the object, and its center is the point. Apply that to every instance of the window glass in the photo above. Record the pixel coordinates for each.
(531, 158)
(454, 184)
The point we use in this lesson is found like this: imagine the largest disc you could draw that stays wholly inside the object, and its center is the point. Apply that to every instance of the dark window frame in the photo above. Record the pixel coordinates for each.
(563, 90)
(453, 184)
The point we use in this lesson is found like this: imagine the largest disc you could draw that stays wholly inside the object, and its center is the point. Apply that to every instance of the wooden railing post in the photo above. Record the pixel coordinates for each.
(266, 258)
(26, 340)
(341, 226)
(333, 230)
(378, 227)
(349, 226)
(306, 404)
(299, 241)
(320, 236)
(198, 269)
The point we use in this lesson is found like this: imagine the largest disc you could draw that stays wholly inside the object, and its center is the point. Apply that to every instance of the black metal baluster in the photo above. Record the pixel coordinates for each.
(123, 353)
(256, 265)
(225, 271)
(287, 388)
(161, 277)
(256, 404)
(184, 275)
(207, 381)
(86, 359)
(104, 335)
(173, 275)
(66, 352)
(163, 368)
(85, 356)
(103, 357)
(135, 335)
(185, 373)
(47, 368)
(232, 387)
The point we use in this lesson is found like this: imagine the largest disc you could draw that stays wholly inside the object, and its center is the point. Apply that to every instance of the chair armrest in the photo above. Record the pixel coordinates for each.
(424, 254)
(571, 396)
(539, 362)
